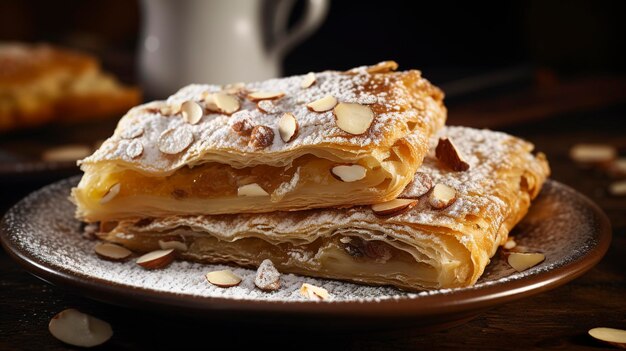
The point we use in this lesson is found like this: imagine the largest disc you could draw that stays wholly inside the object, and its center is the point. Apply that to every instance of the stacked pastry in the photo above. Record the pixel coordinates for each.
(344, 175)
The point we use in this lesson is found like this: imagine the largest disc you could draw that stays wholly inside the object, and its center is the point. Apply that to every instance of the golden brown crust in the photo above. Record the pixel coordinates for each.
(40, 84)
(456, 242)
(407, 110)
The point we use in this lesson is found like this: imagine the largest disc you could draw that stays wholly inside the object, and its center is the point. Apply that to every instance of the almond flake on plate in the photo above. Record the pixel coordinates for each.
(156, 259)
(521, 261)
(223, 279)
(313, 292)
(112, 252)
(267, 277)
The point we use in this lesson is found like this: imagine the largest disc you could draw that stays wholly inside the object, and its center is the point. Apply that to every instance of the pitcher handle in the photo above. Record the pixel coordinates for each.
(313, 17)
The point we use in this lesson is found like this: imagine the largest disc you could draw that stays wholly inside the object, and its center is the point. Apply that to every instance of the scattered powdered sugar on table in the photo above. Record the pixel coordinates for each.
(42, 228)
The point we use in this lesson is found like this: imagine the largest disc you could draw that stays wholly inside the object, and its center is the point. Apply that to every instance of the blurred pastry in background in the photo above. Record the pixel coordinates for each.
(40, 83)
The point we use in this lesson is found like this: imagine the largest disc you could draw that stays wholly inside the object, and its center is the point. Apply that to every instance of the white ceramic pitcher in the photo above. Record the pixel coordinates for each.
(218, 41)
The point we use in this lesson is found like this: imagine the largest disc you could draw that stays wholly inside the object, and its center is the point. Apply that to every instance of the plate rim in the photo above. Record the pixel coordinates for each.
(464, 301)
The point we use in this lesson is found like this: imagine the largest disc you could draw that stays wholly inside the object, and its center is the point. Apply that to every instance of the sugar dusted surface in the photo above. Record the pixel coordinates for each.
(214, 131)
(42, 228)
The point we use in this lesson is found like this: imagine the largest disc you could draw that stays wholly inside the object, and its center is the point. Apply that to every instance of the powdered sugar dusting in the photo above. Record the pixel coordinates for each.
(396, 105)
(42, 227)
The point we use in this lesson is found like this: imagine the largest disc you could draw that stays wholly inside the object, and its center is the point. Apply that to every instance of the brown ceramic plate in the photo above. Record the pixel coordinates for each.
(41, 234)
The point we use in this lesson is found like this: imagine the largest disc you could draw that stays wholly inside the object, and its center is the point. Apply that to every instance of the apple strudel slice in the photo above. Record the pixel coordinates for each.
(440, 233)
(319, 140)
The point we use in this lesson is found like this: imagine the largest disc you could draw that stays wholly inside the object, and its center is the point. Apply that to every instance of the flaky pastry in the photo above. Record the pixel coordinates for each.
(413, 243)
(340, 139)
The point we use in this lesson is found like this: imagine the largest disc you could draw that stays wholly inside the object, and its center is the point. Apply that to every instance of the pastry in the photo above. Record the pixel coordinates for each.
(41, 83)
(326, 139)
(439, 233)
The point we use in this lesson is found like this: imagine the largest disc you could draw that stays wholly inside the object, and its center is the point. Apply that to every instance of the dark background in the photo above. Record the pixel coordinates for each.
(446, 39)
(551, 72)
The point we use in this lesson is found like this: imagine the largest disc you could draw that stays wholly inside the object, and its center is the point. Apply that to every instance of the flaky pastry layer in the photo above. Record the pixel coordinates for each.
(423, 248)
(216, 159)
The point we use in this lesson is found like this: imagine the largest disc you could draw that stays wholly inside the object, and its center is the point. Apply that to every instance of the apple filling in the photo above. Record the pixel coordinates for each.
(215, 180)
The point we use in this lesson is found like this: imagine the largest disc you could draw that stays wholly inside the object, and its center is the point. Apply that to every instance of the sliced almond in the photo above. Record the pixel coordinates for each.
(349, 173)
(593, 153)
(448, 154)
(175, 140)
(265, 95)
(66, 153)
(132, 132)
(353, 118)
(156, 259)
(509, 244)
(79, 329)
(173, 244)
(611, 336)
(324, 104)
(253, 189)
(618, 188)
(521, 261)
(308, 80)
(267, 277)
(442, 196)
(261, 137)
(313, 292)
(267, 106)
(421, 184)
(288, 127)
(112, 252)
(225, 103)
(234, 88)
(192, 112)
(111, 193)
(393, 207)
(383, 67)
(170, 109)
(223, 279)
(134, 149)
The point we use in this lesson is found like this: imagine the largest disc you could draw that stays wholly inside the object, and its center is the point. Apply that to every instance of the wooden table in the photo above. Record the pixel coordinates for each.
(556, 319)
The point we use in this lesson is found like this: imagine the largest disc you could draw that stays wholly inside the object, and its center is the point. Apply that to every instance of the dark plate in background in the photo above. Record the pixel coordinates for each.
(22, 152)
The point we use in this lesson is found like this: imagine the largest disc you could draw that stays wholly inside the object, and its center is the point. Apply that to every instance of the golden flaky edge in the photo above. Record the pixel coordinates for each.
(453, 245)
(41, 84)
(407, 109)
